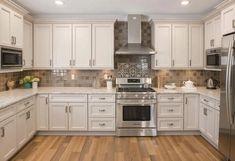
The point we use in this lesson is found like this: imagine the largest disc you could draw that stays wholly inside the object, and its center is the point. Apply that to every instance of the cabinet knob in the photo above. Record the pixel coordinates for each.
(171, 124)
(171, 110)
(102, 124)
(102, 110)
(3, 132)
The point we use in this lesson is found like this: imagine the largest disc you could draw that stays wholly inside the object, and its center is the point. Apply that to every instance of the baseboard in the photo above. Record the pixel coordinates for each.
(178, 133)
(74, 133)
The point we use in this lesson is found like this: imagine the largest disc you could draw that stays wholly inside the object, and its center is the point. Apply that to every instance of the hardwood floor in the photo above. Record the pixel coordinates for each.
(100, 148)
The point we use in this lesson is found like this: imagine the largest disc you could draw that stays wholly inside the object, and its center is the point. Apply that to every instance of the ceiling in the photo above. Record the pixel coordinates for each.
(118, 7)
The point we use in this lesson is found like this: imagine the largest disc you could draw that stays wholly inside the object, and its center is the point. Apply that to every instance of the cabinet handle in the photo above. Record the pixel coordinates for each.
(190, 63)
(47, 100)
(12, 40)
(205, 111)
(102, 124)
(173, 63)
(171, 124)
(50, 62)
(233, 23)
(102, 110)
(186, 101)
(66, 109)
(3, 132)
(102, 98)
(171, 110)
(171, 98)
(156, 62)
(26, 104)
(27, 115)
(205, 100)
(70, 109)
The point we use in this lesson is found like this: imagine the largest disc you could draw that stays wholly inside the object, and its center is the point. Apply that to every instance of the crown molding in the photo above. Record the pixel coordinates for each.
(15, 6)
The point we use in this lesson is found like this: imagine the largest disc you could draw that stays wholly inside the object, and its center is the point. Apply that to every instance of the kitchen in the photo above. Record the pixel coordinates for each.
(120, 81)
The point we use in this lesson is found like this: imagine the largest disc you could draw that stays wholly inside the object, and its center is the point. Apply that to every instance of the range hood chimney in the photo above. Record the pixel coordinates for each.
(134, 46)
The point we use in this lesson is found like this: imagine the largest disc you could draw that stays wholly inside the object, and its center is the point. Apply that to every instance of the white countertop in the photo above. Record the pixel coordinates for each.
(10, 97)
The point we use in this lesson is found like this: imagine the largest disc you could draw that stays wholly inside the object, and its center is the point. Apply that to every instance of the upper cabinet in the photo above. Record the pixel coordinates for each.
(43, 46)
(28, 45)
(62, 46)
(11, 33)
(228, 20)
(161, 41)
(213, 34)
(178, 46)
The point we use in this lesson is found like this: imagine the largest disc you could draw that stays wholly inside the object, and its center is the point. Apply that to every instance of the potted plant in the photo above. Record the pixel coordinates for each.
(27, 81)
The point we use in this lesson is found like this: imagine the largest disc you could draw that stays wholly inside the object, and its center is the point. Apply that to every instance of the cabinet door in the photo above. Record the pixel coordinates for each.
(62, 45)
(228, 20)
(5, 23)
(22, 135)
(202, 119)
(196, 46)
(58, 114)
(191, 111)
(78, 117)
(31, 122)
(210, 123)
(82, 46)
(28, 45)
(17, 29)
(217, 32)
(42, 113)
(8, 138)
(216, 132)
(103, 46)
(42, 46)
(180, 46)
(162, 44)
(209, 34)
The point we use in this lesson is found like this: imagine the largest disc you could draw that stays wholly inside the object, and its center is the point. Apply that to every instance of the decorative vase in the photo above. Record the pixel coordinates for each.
(35, 85)
(27, 85)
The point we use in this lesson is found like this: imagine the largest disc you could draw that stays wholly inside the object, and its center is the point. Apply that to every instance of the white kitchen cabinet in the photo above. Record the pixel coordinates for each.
(11, 33)
(161, 41)
(43, 46)
(213, 36)
(103, 46)
(31, 122)
(228, 20)
(191, 112)
(58, 114)
(180, 45)
(202, 119)
(42, 113)
(62, 46)
(82, 46)
(22, 135)
(210, 123)
(28, 45)
(8, 132)
(216, 132)
(196, 46)
(78, 116)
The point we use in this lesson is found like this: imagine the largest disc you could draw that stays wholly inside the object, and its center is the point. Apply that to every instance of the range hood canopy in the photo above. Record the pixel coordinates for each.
(134, 45)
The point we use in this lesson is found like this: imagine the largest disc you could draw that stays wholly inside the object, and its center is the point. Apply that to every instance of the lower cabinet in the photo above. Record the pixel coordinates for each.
(68, 116)
(42, 111)
(8, 136)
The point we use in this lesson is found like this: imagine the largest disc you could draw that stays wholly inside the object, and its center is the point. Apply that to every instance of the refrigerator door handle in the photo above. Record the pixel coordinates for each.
(228, 83)
(229, 89)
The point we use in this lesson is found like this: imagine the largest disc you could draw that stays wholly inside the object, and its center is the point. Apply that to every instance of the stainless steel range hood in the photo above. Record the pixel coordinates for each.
(134, 46)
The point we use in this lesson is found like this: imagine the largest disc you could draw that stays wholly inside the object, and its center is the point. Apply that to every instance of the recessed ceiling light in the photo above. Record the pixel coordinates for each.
(59, 2)
(184, 2)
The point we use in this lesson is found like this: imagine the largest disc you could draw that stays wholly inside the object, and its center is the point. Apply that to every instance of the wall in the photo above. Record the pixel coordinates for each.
(126, 66)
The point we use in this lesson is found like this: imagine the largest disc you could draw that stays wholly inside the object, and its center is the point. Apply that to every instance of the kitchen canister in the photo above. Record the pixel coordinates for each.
(35, 85)
(109, 84)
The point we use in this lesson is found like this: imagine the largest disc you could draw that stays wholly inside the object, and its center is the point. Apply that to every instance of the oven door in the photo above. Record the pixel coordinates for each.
(11, 58)
(135, 113)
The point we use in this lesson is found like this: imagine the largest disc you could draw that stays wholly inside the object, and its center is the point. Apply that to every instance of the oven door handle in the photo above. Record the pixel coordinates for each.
(136, 104)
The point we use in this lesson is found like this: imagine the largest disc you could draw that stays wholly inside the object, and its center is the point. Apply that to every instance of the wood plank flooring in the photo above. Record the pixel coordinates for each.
(102, 148)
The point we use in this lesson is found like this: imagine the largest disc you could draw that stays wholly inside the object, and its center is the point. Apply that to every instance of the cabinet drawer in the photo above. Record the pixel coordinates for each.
(170, 110)
(101, 109)
(101, 124)
(71, 98)
(170, 124)
(101, 98)
(7, 112)
(25, 104)
(170, 98)
(208, 101)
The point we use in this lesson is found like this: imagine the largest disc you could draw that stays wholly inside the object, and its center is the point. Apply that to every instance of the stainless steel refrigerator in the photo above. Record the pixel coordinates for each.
(227, 98)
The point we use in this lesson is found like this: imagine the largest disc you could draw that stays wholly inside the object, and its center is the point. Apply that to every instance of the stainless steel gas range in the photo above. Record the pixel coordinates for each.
(136, 107)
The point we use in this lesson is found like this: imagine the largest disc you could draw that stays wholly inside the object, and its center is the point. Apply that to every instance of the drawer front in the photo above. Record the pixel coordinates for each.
(101, 98)
(208, 101)
(7, 112)
(101, 124)
(101, 109)
(170, 124)
(170, 110)
(65, 98)
(25, 104)
(170, 98)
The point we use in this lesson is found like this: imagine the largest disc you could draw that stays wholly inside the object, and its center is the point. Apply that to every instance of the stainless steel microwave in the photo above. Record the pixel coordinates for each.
(213, 58)
(11, 58)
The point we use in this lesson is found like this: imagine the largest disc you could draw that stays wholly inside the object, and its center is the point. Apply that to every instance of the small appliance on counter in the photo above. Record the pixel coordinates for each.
(212, 83)
(188, 85)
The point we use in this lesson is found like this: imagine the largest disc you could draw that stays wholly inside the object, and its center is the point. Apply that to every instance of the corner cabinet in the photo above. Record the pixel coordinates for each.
(103, 46)
(11, 33)
(28, 45)
(228, 20)
(43, 46)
